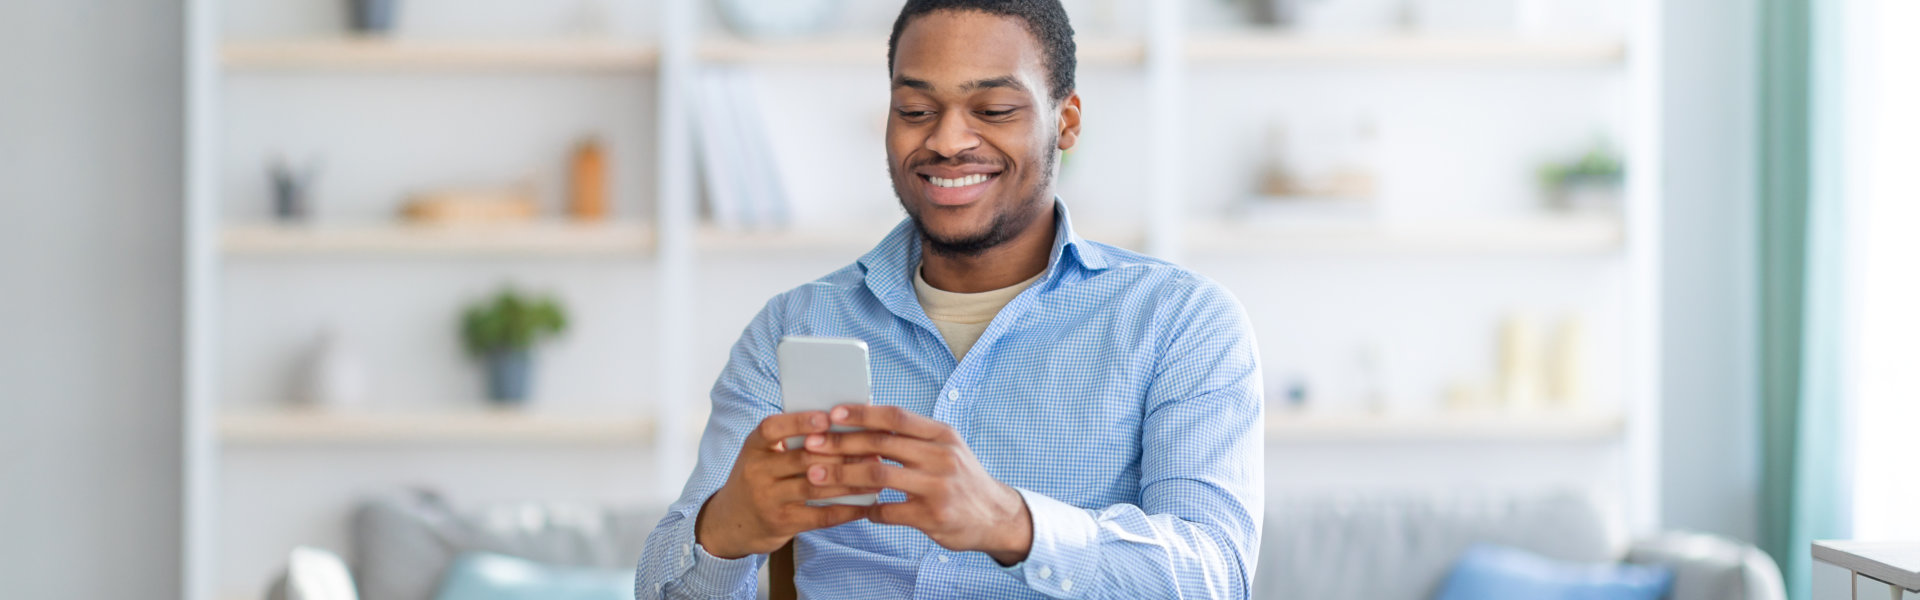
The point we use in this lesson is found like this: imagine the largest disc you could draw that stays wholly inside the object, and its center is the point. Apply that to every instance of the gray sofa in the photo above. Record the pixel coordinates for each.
(1376, 546)
(1401, 545)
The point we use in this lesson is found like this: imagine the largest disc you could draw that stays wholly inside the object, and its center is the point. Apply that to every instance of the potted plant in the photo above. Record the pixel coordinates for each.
(501, 332)
(1590, 183)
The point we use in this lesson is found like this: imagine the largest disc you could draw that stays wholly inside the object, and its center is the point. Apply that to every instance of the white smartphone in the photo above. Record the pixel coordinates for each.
(819, 373)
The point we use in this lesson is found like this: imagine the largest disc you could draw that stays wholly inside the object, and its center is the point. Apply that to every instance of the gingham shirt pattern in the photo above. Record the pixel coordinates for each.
(1119, 394)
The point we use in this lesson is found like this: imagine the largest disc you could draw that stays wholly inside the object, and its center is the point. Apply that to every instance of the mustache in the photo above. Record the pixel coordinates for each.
(955, 161)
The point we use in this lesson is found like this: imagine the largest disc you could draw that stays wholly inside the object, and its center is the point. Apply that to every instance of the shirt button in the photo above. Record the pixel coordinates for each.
(686, 549)
(1045, 572)
(953, 395)
(943, 558)
(1066, 585)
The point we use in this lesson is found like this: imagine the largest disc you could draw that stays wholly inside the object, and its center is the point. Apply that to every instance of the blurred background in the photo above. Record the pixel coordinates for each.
(280, 261)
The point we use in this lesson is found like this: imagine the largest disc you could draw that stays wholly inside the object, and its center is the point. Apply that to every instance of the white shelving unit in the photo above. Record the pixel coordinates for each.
(1532, 236)
(390, 239)
(384, 54)
(672, 237)
(1366, 428)
(1407, 49)
(500, 427)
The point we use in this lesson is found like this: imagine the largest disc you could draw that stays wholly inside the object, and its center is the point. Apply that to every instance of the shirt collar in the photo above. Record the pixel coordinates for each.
(888, 268)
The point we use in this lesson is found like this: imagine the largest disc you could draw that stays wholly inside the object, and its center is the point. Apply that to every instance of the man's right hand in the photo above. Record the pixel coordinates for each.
(763, 503)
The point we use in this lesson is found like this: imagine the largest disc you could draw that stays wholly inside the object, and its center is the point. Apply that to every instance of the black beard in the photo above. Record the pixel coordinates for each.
(1007, 224)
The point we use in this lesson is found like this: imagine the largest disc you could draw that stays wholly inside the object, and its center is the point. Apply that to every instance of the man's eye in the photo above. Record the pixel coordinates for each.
(995, 114)
(914, 114)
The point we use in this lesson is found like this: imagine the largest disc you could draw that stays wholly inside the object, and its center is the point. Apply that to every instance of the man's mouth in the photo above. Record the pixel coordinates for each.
(962, 181)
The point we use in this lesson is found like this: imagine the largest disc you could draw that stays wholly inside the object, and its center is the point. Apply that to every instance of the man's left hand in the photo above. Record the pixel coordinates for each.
(950, 497)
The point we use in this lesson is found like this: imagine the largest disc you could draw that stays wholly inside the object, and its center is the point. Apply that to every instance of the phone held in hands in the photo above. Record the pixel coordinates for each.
(819, 373)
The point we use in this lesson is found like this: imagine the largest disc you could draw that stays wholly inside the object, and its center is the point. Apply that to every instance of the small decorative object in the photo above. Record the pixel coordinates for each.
(771, 19)
(292, 189)
(501, 332)
(1520, 376)
(1590, 183)
(1297, 393)
(335, 377)
(589, 201)
(472, 206)
(373, 16)
(1373, 380)
(1566, 357)
(1326, 174)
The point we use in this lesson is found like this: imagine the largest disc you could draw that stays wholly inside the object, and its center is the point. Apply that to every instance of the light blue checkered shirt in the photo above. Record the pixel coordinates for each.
(1119, 394)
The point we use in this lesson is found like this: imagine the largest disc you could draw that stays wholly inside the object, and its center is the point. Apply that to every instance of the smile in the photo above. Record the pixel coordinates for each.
(959, 181)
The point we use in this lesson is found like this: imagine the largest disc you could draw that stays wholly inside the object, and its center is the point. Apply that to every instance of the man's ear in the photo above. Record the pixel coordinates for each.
(1069, 121)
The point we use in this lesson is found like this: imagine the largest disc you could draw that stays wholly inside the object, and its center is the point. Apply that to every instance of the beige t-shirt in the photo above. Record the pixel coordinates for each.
(961, 318)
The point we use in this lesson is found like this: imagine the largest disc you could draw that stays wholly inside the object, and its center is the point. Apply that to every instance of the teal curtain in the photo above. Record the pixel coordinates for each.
(1805, 479)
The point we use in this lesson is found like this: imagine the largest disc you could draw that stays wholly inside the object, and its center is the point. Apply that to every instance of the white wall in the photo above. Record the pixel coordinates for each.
(90, 283)
(1710, 466)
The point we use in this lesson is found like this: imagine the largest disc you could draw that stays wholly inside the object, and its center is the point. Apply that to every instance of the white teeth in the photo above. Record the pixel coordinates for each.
(959, 182)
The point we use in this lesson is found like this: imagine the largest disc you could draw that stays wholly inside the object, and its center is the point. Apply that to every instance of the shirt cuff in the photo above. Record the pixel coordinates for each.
(1065, 555)
(705, 574)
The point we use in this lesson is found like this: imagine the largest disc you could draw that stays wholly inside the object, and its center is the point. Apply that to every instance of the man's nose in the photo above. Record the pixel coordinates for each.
(952, 135)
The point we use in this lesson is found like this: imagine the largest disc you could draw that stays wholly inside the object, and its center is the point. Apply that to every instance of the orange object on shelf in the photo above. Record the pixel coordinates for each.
(589, 202)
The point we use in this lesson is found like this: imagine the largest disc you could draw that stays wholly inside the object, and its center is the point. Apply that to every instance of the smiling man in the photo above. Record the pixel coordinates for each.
(1057, 417)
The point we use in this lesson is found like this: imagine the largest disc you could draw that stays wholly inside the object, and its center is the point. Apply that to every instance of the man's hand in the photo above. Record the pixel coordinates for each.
(950, 497)
(763, 503)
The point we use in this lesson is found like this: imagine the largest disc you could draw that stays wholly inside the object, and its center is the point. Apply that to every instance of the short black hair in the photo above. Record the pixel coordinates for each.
(1045, 19)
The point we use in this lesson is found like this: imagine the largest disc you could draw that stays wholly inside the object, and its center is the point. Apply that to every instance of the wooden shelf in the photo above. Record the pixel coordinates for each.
(1274, 47)
(1285, 428)
(489, 427)
(387, 54)
(856, 239)
(872, 50)
(1538, 235)
(536, 239)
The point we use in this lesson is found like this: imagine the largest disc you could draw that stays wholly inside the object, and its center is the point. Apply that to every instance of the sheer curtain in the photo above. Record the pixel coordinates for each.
(1840, 275)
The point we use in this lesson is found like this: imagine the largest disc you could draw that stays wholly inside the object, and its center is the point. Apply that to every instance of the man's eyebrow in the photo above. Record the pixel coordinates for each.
(918, 84)
(1003, 81)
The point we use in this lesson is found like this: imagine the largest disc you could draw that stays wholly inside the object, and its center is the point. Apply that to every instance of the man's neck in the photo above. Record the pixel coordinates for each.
(1017, 260)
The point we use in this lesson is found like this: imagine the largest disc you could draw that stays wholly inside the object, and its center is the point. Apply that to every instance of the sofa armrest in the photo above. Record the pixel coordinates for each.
(313, 574)
(1710, 567)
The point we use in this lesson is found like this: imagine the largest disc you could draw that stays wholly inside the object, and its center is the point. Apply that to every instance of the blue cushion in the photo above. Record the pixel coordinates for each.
(489, 576)
(1489, 572)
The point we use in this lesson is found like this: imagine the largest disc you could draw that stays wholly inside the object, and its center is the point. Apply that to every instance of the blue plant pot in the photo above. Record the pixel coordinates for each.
(373, 16)
(509, 376)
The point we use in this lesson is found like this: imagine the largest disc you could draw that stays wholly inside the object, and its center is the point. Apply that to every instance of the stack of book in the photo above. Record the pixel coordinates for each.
(743, 185)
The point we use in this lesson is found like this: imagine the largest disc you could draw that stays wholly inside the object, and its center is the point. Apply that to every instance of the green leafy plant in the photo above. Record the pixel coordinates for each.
(1600, 165)
(511, 321)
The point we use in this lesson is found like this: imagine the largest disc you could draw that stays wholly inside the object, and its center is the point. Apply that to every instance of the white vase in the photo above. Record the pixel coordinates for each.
(336, 377)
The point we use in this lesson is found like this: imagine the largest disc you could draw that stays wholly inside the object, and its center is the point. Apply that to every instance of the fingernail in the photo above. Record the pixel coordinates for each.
(839, 414)
(817, 474)
(816, 441)
(815, 421)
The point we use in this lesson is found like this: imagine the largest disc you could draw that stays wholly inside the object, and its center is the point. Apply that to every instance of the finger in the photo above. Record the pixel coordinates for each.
(774, 429)
(779, 465)
(798, 490)
(912, 513)
(891, 418)
(909, 451)
(874, 475)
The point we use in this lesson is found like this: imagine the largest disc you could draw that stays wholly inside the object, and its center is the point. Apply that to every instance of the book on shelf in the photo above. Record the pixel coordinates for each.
(744, 189)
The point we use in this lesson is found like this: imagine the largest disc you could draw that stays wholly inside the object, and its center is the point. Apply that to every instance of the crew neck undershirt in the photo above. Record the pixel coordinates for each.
(960, 317)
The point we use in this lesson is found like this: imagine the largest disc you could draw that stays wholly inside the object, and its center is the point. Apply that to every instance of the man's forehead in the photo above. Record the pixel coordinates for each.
(965, 52)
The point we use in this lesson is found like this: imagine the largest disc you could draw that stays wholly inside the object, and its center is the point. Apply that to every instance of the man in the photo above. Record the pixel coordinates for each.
(1058, 417)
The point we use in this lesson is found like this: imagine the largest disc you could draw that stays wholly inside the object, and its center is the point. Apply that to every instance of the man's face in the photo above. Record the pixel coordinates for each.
(972, 136)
